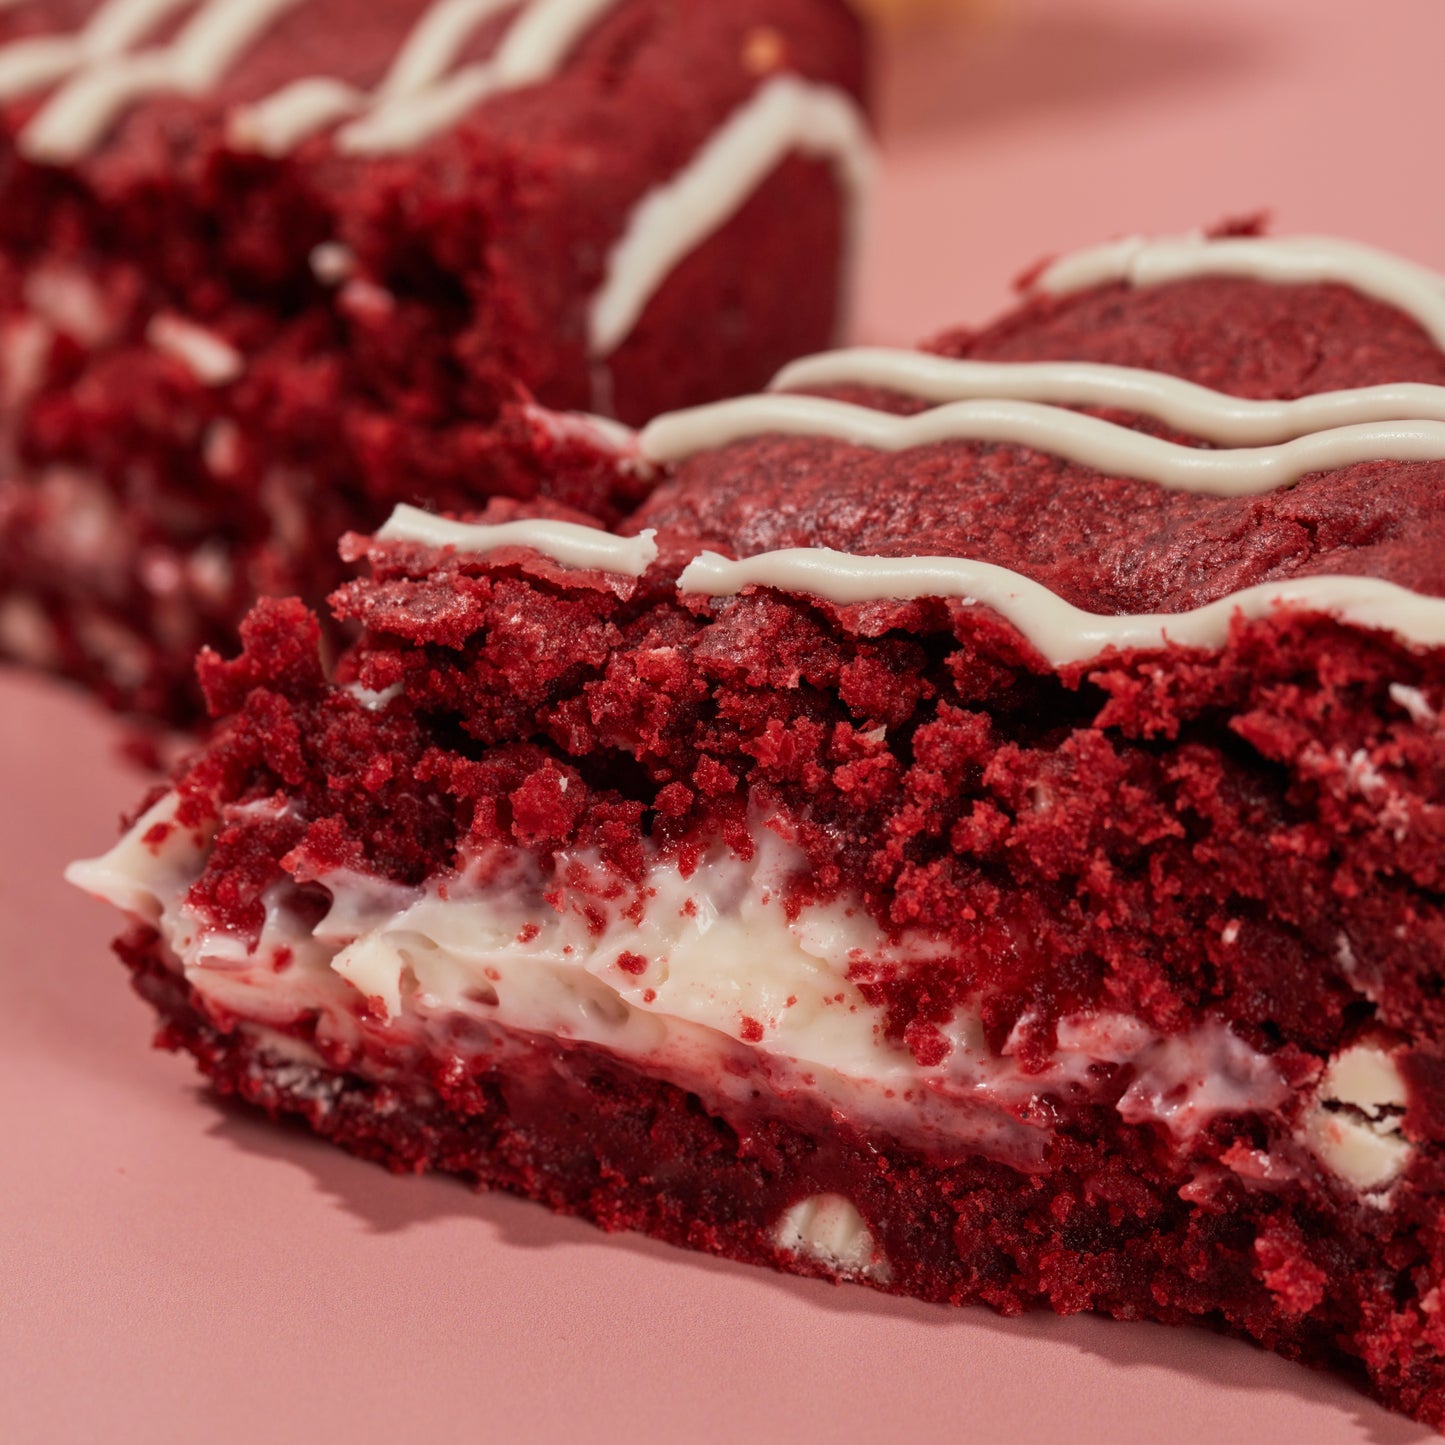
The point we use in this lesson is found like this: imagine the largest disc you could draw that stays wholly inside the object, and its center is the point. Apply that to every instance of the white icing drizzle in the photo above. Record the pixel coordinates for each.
(569, 543)
(408, 122)
(602, 433)
(1213, 416)
(76, 119)
(421, 96)
(434, 44)
(542, 37)
(39, 61)
(1284, 260)
(278, 124)
(1061, 632)
(1086, 440)
(785, 115)
(415, 100)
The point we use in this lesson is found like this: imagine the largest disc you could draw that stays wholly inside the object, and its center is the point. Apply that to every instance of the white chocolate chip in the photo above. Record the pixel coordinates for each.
(828, 1230)
(1414, 703)
(212, 361)
(333, 263)
(1353, 1128)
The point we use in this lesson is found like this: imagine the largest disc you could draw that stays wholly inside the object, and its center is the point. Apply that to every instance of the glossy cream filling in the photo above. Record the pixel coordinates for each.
(705, 980)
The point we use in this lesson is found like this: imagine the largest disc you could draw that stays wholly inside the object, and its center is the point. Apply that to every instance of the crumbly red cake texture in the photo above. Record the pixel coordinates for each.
(143, 506)
(1250, 833)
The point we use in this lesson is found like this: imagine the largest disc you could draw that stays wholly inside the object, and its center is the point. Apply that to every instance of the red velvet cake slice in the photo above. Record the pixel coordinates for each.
(975, 828)
(268, 267)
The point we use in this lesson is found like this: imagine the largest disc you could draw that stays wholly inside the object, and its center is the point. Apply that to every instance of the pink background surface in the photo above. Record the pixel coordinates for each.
(172, 1270)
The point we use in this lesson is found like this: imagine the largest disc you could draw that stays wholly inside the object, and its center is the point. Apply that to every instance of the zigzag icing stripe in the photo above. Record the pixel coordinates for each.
(569, 543)
(785, 116)
(1213, 416)
(291, 115)
(78, 116)
(101, 73)
(41, 61)
(1085, 440)
(1283, 260)
(421, 95)
(1061, 633)
(1403, 422)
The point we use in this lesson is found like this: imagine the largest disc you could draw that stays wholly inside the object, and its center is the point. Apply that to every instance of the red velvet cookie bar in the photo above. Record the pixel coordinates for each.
(269, 266)
(974, 829)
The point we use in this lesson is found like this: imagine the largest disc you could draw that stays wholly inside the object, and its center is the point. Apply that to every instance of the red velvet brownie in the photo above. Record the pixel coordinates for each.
(268, 267)
(974, 829)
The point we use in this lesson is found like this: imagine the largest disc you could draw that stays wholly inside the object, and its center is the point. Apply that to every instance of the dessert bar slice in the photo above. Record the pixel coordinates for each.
(268, 267)
(974, 829)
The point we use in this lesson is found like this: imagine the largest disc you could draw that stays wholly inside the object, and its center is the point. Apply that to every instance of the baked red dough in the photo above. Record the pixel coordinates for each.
(266, 270)
(965, 942)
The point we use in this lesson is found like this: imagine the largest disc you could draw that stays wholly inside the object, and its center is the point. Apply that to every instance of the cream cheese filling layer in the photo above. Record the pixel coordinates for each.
(705, 980)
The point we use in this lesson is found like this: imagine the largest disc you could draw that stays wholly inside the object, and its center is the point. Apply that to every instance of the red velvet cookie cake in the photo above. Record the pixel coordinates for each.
(974, 829)
(268, 267)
